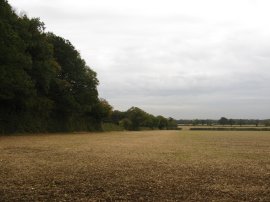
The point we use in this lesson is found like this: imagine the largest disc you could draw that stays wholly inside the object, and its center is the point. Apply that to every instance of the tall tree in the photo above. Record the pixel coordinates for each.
(74, 89)
(16, 85)
(44, 82)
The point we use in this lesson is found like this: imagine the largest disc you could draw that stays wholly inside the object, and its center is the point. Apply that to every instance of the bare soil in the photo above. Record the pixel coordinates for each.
(136, 166)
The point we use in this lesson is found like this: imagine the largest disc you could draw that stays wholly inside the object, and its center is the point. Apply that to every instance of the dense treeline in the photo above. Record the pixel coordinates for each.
(137, 119)
(45, 85)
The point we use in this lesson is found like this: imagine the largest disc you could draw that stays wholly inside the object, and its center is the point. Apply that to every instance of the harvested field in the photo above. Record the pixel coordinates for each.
(152, 165)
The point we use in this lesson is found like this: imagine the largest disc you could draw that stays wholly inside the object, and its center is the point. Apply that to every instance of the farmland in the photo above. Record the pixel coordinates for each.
(153, 165)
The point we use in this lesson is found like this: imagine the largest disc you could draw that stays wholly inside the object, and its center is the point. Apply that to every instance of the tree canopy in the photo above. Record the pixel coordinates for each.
(45, 84)
(136, 119)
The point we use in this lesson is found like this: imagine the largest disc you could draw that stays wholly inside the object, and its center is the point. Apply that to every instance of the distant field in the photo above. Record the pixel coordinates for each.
(153, 165)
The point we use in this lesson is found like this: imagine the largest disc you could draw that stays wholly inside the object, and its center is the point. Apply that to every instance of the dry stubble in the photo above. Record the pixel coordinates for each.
(155, 166)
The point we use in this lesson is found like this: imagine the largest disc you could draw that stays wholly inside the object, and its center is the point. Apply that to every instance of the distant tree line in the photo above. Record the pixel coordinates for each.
(45, 85)
(137, 119)
(224, 121)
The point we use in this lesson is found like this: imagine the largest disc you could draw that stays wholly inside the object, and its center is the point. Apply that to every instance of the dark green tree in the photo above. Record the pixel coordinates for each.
(171, 123)
(137, 117)
(117, 116)
(223, 121)
(74, 89)
(162, 122)
(44, 83)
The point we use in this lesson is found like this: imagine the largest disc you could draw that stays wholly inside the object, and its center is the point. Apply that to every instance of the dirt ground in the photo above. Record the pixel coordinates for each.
(136, 166)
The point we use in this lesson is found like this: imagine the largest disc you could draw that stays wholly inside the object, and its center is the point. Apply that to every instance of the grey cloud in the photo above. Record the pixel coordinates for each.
(170, 58)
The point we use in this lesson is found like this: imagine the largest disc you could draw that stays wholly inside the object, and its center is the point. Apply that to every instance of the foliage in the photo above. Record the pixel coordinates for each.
(137, 119)
(171, 123)
(111, 127)
(223, 121)
(44, 83)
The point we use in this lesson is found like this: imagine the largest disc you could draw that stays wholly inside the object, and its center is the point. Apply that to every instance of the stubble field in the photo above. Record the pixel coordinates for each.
(136, 166)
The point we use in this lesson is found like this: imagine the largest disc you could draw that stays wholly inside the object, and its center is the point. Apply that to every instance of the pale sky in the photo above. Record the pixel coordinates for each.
(179, 58)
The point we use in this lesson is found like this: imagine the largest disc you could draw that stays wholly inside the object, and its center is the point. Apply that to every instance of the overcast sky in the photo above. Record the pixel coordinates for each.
(178, 58)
